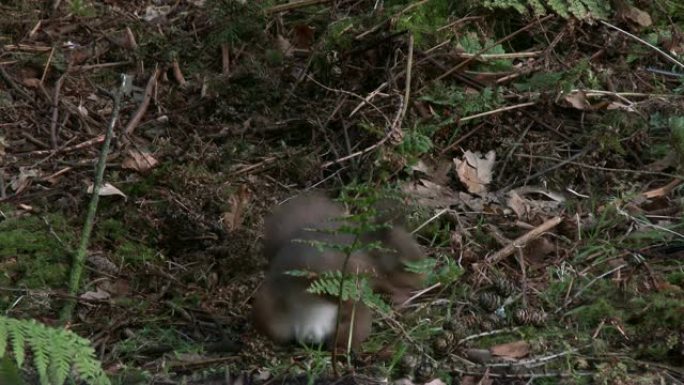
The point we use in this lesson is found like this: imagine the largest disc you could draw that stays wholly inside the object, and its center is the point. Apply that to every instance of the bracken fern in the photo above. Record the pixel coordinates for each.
(355, 287)
(579, 9)
(56, 353)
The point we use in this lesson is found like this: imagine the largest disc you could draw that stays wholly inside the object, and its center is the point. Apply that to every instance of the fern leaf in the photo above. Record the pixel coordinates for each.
(577, 9)
(55, 351)
(3, 337)
(16, 333)
(598, 9)
(38, 340)
(537, 7)
(60, 362)
(560, 7)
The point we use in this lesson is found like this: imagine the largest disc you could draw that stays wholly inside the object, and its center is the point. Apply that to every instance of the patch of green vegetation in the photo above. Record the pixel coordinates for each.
(423, 20)
(155, 335)
(135, 254)
(470, 43)
(82, 8)
(589, 316)
(452, 102)
(676, 278)
(416, 143)
(32, 256)
(556, 81)
(235, 21)
(677, 127)
(580, 9)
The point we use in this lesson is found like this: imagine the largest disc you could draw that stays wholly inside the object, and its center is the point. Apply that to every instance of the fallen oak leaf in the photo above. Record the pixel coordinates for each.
(475, 171)
(140, 161)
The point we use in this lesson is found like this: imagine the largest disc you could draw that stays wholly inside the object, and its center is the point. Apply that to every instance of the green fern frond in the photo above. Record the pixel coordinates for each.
(4, 336)
(538, 8)
(38, 340)
(354, 287)
(55, 352)
(598, 9)
(578, 9)
(16, 334)
(560, 7)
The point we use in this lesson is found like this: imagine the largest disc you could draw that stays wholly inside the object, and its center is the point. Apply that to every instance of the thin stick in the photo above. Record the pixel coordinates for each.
(487, 48)
(293, 5)
(137, 117)
(644, 42)
(522, 240)
(80, 257)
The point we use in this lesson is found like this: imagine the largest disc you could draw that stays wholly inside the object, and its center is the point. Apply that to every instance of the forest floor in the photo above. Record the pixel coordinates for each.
(541, 152)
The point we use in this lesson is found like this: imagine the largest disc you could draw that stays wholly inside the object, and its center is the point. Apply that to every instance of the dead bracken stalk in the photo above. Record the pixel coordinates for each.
(522, 240)
(147, 97)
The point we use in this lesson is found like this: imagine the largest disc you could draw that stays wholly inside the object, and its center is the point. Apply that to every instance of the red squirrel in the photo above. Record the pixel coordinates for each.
(286, 312)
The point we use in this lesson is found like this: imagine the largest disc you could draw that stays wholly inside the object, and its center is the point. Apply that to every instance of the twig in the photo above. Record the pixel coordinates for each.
(487, 48)
(496, 111)
(87, 143)
(225, 60)
(397, 134)
(593, 281)
(80, 257)
(522, 240)
(55, 108)
(644, 42)
(293, 5)
(625, 170)
(396, 122)
(147, 96)
(562, 163)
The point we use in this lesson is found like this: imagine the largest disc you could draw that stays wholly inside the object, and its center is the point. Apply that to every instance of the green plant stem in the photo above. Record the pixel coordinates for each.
(338, 318)
(80, 256)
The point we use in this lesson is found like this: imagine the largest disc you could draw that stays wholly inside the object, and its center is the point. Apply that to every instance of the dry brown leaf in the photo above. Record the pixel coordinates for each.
(517, 204)
(475, 171)
(107, 190)
(430, 194)
(285, 46)
(619, 106)
(512, 350)
(117, 287)
(99, 294)
(31, 82)
(635, 15)
(140, 161)
(233, 219)
(437, 170)
(577, 100)
(524, 201)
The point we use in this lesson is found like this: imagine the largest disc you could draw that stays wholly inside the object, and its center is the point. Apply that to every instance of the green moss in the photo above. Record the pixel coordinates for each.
(676, 278)
(31, 256)
(589, 316)
(132, 253)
